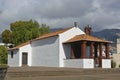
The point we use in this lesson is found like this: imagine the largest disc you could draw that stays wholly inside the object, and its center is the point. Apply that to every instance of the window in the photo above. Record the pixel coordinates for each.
(11, 54)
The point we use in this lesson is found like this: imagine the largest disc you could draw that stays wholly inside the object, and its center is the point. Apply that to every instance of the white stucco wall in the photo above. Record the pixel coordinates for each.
(16, 61)
(73, 63)
(79, 63)
(13, 62)
(88, 63)
(65, 50)
(106, 63)
(45, 52)
(25, 49)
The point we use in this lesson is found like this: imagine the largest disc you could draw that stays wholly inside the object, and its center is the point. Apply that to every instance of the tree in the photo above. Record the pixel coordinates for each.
(3, 55)
(6, 36)
(44, 29)
(23, 31)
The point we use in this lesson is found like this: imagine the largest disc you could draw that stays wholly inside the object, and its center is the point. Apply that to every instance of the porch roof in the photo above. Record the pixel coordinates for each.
(85, 37)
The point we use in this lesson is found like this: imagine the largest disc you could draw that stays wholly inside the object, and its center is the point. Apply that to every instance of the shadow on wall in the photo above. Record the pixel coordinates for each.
(46, 41)
(67, 51)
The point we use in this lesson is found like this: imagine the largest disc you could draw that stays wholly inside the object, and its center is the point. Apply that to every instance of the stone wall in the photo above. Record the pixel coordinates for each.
(118, 45)
(3, 73)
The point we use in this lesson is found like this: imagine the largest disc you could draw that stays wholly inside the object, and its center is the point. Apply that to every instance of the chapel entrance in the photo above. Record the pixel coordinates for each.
(24, 59)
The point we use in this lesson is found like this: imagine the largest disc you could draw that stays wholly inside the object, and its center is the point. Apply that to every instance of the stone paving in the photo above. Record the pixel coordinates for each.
(45, 73)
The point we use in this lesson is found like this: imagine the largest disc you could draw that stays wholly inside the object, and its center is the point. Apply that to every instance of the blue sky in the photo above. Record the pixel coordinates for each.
(100, 14)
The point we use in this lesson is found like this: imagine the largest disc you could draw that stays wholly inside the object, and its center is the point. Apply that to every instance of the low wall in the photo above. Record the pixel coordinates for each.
(88, 63)
(79, 63)
(106, 63)
(74, 63)
(3, 73)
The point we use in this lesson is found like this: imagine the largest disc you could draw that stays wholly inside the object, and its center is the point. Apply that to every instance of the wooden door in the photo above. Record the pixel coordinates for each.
(24, 58)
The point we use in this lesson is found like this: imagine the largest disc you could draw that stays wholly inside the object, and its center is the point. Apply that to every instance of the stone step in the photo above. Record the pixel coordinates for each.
(43, 73)
(101, 71)
(40, 73)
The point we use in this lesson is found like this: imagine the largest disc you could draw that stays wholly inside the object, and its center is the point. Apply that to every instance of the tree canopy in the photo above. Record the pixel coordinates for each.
(23, 31)
(6, 36)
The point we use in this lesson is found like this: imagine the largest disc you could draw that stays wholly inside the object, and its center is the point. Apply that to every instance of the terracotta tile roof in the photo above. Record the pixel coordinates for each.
(86, 38)
(17, 47)
(41, 37)
(56, 33)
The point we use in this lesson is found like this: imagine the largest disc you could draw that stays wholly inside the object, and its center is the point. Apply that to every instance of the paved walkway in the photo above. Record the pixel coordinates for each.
(45, 73)
(73, 77)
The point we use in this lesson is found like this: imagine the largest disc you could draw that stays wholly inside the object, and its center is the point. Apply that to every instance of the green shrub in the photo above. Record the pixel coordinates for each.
(119, 66)
(3, 55)
(113, 64)
(3, 65)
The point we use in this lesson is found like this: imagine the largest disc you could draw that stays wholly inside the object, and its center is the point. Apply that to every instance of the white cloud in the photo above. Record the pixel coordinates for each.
(99, 14)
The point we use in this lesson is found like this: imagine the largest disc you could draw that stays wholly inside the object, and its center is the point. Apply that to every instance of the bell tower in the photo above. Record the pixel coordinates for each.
(88, 30)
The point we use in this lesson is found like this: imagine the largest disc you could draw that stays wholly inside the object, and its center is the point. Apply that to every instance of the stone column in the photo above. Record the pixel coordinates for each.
(107, 50)
(83, 49)
(100, 54)
(72, 53)
(91, 49)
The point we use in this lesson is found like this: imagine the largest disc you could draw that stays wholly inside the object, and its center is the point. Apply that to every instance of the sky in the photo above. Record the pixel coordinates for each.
(99, 14)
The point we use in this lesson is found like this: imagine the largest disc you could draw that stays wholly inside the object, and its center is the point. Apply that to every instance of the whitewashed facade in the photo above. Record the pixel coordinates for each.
(64, 50)
(46, 52)
(15, 60)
